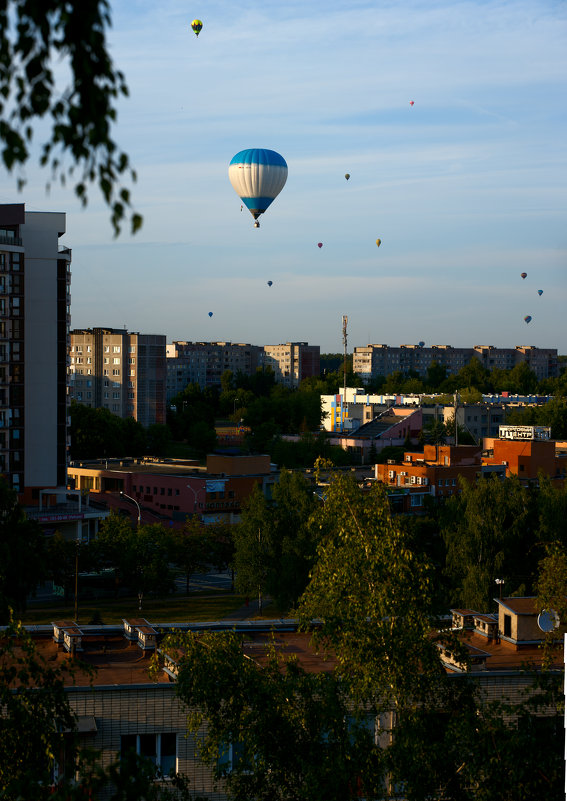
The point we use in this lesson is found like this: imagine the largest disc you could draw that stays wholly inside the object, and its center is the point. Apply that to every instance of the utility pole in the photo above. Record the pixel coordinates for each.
(343, 404)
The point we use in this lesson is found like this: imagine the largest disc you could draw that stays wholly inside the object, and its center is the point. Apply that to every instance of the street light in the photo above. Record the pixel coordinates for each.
(500, 582)
(123, 494)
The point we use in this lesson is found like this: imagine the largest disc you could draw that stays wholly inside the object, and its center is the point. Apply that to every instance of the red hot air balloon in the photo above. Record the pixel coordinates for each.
(319, 244)
(411, 102)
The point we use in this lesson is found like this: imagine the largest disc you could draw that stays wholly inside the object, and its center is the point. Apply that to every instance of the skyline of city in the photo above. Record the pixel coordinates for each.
(465, 188)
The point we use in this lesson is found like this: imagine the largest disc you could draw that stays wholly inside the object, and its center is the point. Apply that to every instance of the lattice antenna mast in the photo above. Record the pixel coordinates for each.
(345, 321)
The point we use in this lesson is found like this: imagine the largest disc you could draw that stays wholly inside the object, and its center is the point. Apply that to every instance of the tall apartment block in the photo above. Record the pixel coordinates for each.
(374, 360)
(292, 362)
(119, 371)
(203, 363)
(35, 280)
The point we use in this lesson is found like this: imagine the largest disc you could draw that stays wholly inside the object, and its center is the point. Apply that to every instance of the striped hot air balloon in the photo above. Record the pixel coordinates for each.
(257, 176)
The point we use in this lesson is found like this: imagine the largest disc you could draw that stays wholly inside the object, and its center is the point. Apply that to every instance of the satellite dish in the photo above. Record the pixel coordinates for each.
(548, 620)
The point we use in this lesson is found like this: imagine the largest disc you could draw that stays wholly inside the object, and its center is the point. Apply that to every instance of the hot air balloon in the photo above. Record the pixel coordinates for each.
(411, 102)
(540, 292)
(257, 176)
(197, 25)
(527, 318)
(347, 175)
(270, 283)
(378, 242)
(421, 343)
(319, 244)
(524, 275)
(210, 314)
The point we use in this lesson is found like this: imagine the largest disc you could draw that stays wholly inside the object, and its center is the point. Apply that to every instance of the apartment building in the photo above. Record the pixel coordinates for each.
(371, 361)
(292, 362)
(119, 707)
(35, 300)
(203, 363)
(119, 371)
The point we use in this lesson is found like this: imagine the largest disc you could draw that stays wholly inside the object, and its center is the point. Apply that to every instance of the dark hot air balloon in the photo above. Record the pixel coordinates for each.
(528, 318)
(524, 275)
(540, 292)
(270, 283)
(319, 244)
(210, 314)
(347, 175)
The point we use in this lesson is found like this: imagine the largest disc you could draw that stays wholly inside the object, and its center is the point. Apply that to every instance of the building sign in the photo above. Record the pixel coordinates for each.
(524, 432)
(61, 518)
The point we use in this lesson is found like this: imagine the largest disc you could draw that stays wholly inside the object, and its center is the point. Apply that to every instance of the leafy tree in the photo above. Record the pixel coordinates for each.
(34, 37)
(158, 440)
(251, 547)
(436, 374)
(371, 591)
(294, 731)
(191, 549)
(61, 562)
(274, 543)
(139, 556)
(488, 530)
(22, 554)
(97, 433)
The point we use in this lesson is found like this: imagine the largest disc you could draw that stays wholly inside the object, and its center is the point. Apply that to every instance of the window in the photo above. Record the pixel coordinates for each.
(507, 625)
(116, 349)
(232, 756)
(161, 749)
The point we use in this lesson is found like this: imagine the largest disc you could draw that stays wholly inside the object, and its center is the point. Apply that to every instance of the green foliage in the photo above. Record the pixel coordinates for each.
(274, 542)
(488, 530)
(140, 556)
(97, 433)
(35, 715)
(35, 38)
(295, 731)
(552, 414)
(371, 591)
(22, 554)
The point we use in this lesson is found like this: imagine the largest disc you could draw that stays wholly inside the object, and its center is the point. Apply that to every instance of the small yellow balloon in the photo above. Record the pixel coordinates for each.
(378, 242)
(197, 25)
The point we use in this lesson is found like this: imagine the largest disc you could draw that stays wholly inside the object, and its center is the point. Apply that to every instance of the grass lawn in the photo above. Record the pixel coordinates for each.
(173, 609)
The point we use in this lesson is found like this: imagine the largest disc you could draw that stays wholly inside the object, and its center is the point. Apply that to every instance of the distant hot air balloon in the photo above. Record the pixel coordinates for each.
(421, 343)
(411, 102)
(347, 175)
(378, 242)
(524, 275)
(270, 283)
(210, 314)
(540, 292)
(527, 318)
(257, 176)
(197, 25)
(319, 244)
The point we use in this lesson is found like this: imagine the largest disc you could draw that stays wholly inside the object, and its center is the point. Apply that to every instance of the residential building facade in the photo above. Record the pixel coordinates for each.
(292, 362)
(119, 371)
(203, 363)
(35, 299)
(371, 361)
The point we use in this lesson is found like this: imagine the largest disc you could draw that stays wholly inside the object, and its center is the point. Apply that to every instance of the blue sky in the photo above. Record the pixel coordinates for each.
(466, 189)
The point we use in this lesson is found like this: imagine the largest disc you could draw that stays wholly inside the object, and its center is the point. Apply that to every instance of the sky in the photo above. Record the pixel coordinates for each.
(466, 189)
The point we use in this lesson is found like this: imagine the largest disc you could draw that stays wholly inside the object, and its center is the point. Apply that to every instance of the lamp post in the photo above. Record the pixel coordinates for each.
(123, 494)
(500, 582)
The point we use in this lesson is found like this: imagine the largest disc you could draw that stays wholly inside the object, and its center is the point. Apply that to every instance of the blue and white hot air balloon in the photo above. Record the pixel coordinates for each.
(257, 176)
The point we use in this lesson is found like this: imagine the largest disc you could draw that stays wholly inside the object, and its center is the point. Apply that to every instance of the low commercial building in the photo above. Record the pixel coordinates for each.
(170, 490)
